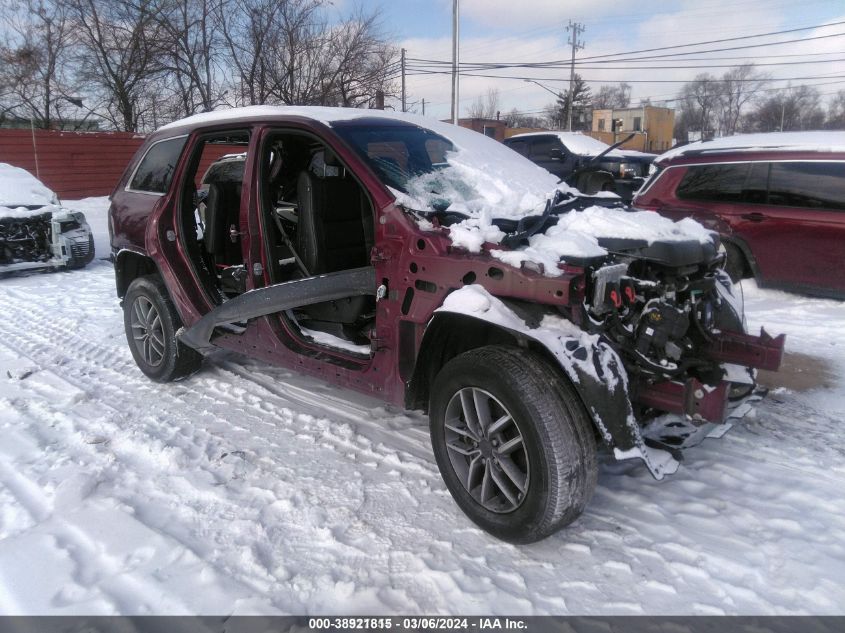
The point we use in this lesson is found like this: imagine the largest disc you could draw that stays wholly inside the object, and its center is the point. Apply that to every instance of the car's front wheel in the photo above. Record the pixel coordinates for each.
(513, 442)
(151, 323)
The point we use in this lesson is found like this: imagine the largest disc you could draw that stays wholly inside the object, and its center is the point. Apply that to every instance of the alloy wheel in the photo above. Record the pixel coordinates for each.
(487, 450)
(147, 331)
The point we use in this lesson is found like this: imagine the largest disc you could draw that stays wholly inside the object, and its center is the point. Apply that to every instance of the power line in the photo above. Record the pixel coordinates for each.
(719, 41)
(640, 81)
(603, 58)
(417, 67)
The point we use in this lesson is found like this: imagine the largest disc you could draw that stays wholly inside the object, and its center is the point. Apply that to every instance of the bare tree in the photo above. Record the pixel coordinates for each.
(485, 106)
(697, 102)
(34, 80)
(612, 97)
(836, 112)
(249, 29)
(515, 118)
(363, 61)
(191, 50)
(119, 54)
(739, 87)
(797, 108)
(286, 51)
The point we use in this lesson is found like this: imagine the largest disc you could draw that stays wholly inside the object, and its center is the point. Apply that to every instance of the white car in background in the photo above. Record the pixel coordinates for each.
(35, 230)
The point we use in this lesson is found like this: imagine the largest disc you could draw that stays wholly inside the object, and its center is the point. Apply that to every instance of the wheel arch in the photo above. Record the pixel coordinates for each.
(471, 318)
(742, 245)
(128, 266)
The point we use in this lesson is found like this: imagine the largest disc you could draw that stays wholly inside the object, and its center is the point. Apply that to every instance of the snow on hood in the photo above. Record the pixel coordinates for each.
(19, 188)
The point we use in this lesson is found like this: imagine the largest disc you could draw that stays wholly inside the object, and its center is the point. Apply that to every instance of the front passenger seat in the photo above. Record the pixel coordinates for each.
(330, 238)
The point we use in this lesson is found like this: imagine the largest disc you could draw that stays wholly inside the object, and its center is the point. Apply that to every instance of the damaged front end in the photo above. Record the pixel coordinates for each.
(43, 239)
(653, 329)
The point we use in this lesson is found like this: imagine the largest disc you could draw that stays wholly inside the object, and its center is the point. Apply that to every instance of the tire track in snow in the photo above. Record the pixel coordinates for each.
(99, 372)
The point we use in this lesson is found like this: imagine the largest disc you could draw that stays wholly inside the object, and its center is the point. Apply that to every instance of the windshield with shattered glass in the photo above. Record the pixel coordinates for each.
(397, 153)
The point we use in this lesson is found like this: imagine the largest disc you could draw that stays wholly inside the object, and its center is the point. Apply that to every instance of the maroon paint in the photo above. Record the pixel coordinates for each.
(404, 256)
(792, 247)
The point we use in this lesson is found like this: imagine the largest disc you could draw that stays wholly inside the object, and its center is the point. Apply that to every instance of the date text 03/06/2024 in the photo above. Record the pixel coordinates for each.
(417, 623)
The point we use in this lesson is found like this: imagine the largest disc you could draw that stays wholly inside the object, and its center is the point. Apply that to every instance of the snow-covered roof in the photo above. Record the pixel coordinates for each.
(815, 141)
(19, 188)
(483, 180)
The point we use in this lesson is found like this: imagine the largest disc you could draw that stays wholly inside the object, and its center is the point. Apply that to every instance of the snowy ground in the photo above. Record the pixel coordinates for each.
(248, 489)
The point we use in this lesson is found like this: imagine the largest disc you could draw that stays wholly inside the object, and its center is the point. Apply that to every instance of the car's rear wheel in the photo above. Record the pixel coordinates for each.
(151, 323)
(513, 442)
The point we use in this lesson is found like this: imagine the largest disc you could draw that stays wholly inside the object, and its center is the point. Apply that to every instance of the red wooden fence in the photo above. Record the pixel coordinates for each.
(73, 164)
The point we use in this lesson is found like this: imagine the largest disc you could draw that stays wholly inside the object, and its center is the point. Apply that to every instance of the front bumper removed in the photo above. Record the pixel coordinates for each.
(706, 403)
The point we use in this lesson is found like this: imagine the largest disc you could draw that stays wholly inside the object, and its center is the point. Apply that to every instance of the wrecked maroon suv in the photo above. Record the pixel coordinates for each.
(435, 269)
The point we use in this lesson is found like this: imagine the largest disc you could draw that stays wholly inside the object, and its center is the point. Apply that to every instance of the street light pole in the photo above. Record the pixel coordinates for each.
(403, 80)
(456, 34)
(547, 89)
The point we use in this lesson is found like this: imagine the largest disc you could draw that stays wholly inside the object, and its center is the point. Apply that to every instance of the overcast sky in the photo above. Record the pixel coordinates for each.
(534, 31)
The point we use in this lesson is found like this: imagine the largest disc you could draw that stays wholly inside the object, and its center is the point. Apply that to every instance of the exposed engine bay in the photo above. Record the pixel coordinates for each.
(25, 239)
(665, 307)
(45, 239)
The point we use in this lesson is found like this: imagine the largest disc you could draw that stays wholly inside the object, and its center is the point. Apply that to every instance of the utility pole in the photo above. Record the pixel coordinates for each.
(456, 34)
(574, 31)
(403, 80)
(423, 106)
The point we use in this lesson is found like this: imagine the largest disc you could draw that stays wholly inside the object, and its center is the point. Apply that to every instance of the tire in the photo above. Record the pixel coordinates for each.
(148, 311)
(590, 183)
(735, 264)
(549, 475)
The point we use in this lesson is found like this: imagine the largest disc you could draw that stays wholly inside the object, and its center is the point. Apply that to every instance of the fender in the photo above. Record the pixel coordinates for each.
(593, 367)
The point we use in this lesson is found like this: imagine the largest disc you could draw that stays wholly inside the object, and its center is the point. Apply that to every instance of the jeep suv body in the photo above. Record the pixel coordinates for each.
(433, 268)
(777, 200)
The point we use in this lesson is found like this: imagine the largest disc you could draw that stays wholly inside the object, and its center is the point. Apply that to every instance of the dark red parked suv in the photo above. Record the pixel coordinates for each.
(777, 200)
(436, 269)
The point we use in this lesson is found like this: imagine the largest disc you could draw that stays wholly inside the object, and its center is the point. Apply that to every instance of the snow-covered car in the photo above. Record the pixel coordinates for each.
(435, 269)
(35, 230)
